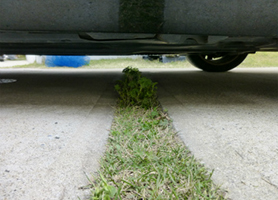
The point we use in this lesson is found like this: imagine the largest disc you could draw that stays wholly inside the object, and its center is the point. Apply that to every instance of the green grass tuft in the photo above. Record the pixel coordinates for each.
(136, 90)
(145, 159)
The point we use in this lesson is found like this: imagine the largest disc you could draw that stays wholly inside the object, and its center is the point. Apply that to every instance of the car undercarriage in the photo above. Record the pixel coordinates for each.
(215, 34)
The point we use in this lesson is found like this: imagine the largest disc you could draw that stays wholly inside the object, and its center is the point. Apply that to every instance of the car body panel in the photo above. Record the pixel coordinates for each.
(138, 26)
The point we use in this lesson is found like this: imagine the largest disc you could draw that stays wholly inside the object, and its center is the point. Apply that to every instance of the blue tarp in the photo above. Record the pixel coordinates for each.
(66, 61)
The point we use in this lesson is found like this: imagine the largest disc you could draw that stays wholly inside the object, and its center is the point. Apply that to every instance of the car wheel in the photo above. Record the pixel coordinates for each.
(216, 62)
(1, 58)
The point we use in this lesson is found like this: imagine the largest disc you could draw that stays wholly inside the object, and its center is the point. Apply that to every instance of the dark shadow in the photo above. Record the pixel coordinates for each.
(235, 87)
(61, 87)
(78, 87)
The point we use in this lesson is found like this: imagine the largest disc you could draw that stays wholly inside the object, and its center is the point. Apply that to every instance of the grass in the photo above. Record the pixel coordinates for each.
(136, 63)
(145, 159)
(261, 59)
(21, 57)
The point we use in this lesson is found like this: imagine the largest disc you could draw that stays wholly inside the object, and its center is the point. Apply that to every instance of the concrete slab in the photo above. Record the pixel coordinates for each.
(54, 127)
(229, 122)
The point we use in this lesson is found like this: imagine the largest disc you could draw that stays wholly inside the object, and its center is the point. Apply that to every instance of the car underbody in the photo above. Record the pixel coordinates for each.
(209, 29)
(128, 43)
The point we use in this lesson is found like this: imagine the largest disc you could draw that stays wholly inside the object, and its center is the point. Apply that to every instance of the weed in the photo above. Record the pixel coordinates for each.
(136, 90)
(104, 191)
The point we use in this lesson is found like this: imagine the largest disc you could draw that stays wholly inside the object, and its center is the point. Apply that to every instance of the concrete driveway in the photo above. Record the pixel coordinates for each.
(230, 123)
(11, 63)
(54, 127)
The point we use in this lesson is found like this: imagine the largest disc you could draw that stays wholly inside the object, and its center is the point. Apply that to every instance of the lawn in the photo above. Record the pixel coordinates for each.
(145, 159)
(260, 59)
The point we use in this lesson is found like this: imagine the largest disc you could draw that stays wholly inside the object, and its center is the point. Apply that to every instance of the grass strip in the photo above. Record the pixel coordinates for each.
(145, 159)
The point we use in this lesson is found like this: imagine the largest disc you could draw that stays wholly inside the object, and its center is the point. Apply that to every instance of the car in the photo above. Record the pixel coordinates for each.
(164, 58)
(216, 36)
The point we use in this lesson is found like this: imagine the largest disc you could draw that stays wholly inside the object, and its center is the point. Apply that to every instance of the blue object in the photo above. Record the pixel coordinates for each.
(66, 61)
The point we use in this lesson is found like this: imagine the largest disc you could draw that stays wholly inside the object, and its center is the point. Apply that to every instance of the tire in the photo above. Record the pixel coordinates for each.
(216, 63)
(1, 58)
